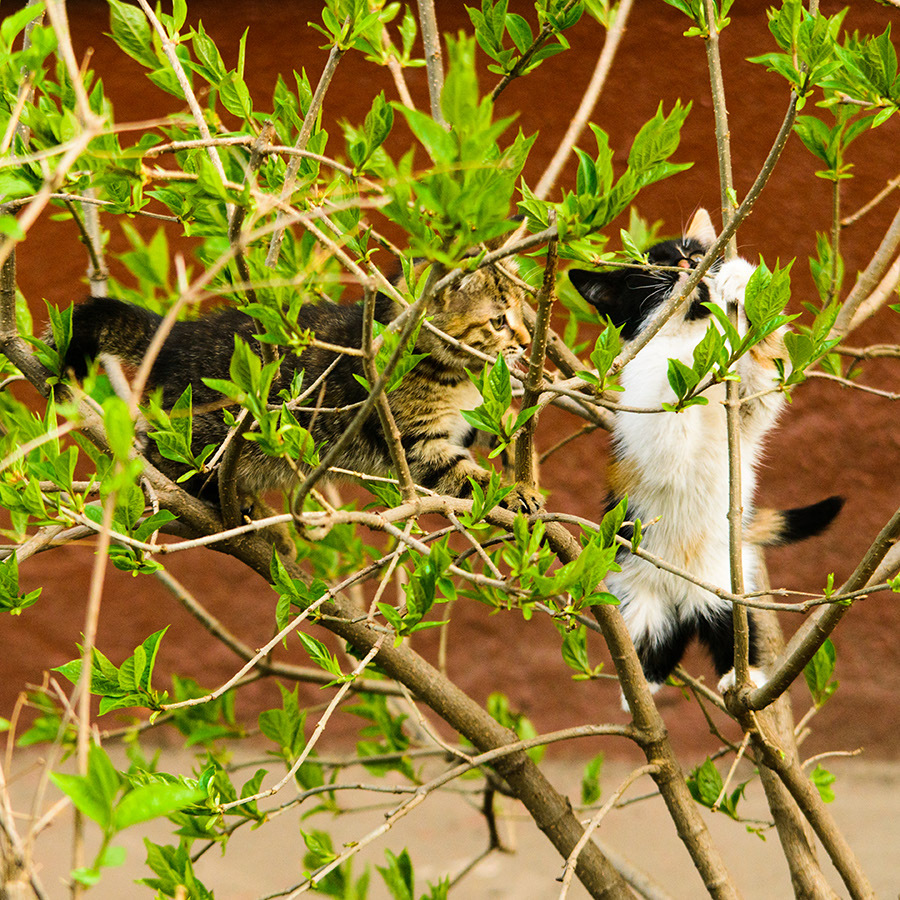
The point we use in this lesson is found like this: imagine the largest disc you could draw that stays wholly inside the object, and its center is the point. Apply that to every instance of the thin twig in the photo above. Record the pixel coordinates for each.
(267, 666)
(891, 186)
(389, 428)
(812, 634)
(811, 804)
(314, 737)
(306, 130)
(569, 871)
(667, 309)
(424, 790)
(588, 100)
(534, 380)
(544, 35)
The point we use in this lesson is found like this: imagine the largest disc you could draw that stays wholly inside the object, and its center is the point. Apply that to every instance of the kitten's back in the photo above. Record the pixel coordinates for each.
(105, 325)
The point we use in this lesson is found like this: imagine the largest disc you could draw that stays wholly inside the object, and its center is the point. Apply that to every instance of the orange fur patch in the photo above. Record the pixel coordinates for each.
(765, 527)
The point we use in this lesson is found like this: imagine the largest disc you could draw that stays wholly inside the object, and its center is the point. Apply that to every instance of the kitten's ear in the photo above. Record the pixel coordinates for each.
(701, 228)
(603, 290)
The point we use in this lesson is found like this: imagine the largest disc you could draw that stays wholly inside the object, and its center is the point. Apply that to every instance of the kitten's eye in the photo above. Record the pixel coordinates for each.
(498, 323)
(697, 257)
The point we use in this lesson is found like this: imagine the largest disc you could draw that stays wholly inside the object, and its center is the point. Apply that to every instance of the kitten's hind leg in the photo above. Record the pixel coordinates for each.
(716, 631)
(660, 644)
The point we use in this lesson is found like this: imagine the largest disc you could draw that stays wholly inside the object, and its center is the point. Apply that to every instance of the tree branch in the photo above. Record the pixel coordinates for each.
(869, 280)
(534, 380)
(667, 309)
(812, 634)
(784, 763)
(589, 100)
(309, 121)
(433, 60)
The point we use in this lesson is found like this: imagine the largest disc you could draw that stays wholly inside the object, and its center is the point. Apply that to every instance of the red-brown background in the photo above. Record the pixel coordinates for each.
(831, 440)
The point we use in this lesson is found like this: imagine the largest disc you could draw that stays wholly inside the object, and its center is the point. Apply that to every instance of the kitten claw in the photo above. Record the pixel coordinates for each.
(524, 499)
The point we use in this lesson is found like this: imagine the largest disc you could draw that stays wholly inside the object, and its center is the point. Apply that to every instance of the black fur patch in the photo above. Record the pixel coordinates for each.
(716, 632)
(660, 654)
(628, 297)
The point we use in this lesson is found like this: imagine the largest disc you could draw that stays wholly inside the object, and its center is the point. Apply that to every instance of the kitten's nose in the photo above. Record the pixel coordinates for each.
(683, 264)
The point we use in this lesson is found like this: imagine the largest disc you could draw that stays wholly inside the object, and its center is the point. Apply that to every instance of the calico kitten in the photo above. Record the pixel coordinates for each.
(675, 466)
(483, 310)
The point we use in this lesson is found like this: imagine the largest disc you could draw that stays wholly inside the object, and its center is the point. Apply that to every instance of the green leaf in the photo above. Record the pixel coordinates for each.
(439, 142)
(586, 178)
(574, 653)
(823, 779)
(208, 55)
(119, 427)
(10, 598)
(656, 141)
(148, 650)
(131, 31)
(174, 871)
(235, 96)
(320, 654)
(819, 672)
(682, 379)
(93, 793)
(705, 784)
(590, 781)
(612, 523)
(378, 123)
(398, 875)
(13, 24)
(767, 293)
(520, 31)
(150, 801)
(285, 726)
(210, 180)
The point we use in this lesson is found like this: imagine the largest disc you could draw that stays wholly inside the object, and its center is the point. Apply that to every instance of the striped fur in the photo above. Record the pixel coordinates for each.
(484, 310)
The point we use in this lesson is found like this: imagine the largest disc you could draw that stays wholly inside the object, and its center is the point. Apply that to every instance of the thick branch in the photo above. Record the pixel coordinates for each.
(780, 760)
(794, 831)
(653, 738)
(870, 278)
(812, 634)
(431, 38)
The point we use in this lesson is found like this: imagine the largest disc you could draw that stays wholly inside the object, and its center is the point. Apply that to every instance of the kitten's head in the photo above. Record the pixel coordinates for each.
(629, 297)
(484, 311)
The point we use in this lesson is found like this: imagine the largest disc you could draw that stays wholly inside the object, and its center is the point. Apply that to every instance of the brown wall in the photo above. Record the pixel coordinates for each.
(831, 440)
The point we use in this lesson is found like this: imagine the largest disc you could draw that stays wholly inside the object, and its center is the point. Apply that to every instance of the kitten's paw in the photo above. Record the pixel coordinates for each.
(278, 534)
(757, 678)
(654, 687)
(523, 498)
(732, 278)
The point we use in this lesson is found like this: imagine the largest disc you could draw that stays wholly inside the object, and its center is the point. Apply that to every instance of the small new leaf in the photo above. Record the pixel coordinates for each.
(819, 674)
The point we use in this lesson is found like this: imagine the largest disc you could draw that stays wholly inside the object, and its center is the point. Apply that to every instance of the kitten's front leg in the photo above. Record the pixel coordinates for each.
(446, 469)
(759, 380)
(756, 368)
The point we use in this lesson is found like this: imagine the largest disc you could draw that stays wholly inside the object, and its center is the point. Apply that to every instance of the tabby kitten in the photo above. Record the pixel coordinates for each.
(483, 310)
(675, 466)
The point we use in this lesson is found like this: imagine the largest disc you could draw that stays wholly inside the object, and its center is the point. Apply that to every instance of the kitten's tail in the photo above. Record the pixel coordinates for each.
(105, 325)
(774, 527)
